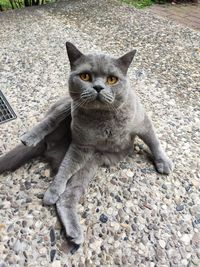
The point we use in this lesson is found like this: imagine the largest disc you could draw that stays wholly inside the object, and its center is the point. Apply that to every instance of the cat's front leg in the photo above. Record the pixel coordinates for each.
(147, 133)
(66, 205)
(57, 113)
(74, 160)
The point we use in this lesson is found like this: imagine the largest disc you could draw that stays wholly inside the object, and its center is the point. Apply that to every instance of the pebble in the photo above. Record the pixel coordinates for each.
(47, 173)
(56, 264)
(185, 239)
(180, 207)
(118, 198)
(162, 243)
(52, 236)
(134, 227)
(52, 254)
(184, 262)
(27, 185)
(129, 173)
(96, 245)
(164, 186)
(2, 264)
(19, 246)
(196, 222)
(103, 218)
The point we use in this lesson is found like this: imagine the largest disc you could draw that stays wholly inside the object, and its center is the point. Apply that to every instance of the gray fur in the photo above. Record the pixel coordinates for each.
(103, 127)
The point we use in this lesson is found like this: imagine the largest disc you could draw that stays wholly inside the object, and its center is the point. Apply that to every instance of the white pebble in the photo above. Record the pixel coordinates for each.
(162, 243)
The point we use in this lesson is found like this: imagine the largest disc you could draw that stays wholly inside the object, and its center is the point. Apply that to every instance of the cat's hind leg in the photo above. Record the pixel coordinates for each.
(73, 161)
(19, 156)
(66, 205)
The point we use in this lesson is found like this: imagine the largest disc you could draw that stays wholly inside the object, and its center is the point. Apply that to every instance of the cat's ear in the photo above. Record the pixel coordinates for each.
(73, 53)
(125, 61)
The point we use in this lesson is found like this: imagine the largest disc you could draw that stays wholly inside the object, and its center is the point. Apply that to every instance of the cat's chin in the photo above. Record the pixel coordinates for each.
(97, 104)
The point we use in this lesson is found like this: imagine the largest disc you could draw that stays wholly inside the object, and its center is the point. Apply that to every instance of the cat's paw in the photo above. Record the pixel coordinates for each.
(164, 166)
(30, 139)
(75, 235)
(50, 197)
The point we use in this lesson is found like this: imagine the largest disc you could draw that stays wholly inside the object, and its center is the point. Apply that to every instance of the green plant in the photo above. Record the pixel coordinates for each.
(8, 4)
(5, 4)
(139, 3)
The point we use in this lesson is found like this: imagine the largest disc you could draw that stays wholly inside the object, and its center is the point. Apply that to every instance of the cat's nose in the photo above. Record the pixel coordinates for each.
(98, 88)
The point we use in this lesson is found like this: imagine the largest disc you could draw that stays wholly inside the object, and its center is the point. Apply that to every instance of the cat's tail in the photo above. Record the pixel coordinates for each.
(18, 156)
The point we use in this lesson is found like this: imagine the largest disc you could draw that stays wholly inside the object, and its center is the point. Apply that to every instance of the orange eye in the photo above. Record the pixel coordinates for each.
(112, 80)
(85, 77)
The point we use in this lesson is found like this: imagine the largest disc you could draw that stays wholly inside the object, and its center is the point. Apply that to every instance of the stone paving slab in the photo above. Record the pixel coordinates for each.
(188, 15)
(152, 220)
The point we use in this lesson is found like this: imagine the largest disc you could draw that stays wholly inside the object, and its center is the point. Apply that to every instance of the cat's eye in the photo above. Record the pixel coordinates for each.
(85, 77)
(112, 80)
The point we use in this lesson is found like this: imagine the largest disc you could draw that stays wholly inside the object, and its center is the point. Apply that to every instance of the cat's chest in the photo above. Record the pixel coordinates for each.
(103, 132)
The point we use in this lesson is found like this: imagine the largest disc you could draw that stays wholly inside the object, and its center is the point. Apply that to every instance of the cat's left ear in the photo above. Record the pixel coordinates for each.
(125, 61)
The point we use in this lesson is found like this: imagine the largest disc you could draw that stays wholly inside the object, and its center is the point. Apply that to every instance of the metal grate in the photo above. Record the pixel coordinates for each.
(6, 112)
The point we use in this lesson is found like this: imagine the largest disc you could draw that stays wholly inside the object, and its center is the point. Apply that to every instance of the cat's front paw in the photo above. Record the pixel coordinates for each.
(30, 139)
(164, 166)
(51, 196)
(75, 234)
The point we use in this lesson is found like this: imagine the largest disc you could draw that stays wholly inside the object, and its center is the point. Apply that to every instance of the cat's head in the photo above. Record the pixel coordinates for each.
(98, 81)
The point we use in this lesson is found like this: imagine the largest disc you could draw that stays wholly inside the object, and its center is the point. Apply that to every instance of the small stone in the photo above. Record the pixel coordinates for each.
(115, 226)
(129, 173)
(52, 254)
(96, 245)
(3, 264)
(2, 226)
(123, 165)
(118, 198)
(196, 221)
(196, 240)
(195, 182)
(27, 185)
(43, 251)
(103, 218)
(28, 200)
(162, 243)
(185, 239)
(117, 261)
(179, 207)
(56, 264)
(164, 186)
(124, 260)
(184, 262)
(10, 228)
(47, 173)
(40, 196)
(125, 225)
(19, 246)
(52, 237)
(196, 262)
(134, 227)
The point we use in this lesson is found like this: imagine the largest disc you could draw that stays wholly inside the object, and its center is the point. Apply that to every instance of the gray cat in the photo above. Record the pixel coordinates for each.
(95, 127)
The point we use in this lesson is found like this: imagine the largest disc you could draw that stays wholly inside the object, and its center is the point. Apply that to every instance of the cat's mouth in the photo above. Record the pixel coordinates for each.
(98, 98)
(104, 98)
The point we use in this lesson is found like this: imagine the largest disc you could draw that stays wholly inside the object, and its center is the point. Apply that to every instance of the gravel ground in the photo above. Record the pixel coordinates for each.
(131, 215)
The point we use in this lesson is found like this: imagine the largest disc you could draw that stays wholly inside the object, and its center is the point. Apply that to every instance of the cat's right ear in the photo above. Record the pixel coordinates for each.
(73, 53)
